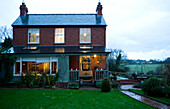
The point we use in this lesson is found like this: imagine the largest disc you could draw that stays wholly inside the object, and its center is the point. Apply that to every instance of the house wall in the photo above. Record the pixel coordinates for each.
(74, 62)
(47, 36)
(63, 68)
(99, 61)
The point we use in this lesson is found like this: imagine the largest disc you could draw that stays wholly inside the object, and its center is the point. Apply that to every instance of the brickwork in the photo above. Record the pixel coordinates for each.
(20, 36)
(98, 36)
(100, 61)
(47, 36)
(72, 36)
(74, 62)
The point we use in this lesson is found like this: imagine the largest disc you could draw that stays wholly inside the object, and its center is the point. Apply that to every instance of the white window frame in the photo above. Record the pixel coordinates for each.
(63, 35)
(80, 36)
(20, 59)
(30, 29)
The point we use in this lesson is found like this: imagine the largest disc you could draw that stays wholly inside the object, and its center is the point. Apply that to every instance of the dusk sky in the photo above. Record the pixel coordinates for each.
(141, 28)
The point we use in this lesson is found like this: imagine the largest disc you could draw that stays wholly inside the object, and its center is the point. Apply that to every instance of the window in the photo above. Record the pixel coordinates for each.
(34, 67)
(85, 35)
(33, 36)
(17, 68)
(85, 63)
(59, 35)
(54, 67)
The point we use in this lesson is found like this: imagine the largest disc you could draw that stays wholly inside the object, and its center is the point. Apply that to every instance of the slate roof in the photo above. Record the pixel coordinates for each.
(60, 19)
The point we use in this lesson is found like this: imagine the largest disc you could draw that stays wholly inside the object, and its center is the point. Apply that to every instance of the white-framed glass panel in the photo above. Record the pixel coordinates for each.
(33, 36)
(54, 67)
(85, 35)
(17, 68)
(59, 35)
(85, 63)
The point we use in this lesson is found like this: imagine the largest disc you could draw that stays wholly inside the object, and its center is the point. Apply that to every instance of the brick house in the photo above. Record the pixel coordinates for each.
(71, 44)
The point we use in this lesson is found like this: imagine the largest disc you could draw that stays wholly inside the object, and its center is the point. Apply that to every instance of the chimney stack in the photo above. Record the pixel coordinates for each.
(23, 9)
(99, 9)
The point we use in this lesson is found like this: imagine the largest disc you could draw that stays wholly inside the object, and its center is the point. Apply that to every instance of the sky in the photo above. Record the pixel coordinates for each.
(141, 28)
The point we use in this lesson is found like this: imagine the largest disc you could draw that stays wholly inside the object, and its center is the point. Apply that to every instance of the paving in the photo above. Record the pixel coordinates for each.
(142, 98)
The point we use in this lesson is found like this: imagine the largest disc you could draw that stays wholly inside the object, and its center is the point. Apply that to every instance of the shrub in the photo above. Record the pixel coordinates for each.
(115, 85)
(98, 84)
(153, 87)
(73, 85)
(167, 91)
(138, 85)
(106, 86)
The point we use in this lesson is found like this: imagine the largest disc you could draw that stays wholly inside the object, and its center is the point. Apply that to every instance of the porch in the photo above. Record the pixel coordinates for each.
(87, 78)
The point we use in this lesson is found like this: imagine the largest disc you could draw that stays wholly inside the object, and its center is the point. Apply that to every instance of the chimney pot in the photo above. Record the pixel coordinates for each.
(99, 9)
(23, 9)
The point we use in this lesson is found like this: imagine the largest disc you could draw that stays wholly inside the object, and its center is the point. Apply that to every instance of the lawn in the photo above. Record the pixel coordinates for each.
(145, 67)
(66, 99)
(164, 99)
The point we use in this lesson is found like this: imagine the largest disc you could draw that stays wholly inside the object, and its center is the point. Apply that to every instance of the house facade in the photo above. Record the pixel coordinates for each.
(74, 45)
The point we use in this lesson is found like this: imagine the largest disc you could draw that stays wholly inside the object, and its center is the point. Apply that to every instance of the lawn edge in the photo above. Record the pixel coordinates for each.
(139, 101)
(150, 97)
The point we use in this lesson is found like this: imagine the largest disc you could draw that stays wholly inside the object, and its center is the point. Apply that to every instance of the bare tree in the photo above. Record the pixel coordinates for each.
(5, 33)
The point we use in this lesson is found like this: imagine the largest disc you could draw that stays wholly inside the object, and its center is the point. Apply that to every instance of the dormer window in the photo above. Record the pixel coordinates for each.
(85, 35)
(33, 36)
(59, 35)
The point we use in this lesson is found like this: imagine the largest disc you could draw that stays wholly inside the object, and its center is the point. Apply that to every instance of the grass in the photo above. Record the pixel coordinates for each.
(164, 99)
(66, 99)
(146, 67)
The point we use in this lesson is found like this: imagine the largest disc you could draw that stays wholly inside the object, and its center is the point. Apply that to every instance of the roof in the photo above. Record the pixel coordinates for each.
(60, 20)
(58, 49)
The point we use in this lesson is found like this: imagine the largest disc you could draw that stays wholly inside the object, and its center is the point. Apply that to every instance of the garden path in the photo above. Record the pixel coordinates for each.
(124, 89)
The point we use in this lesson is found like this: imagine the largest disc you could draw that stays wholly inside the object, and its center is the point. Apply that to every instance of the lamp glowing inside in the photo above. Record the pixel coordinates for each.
(95, 55)
(84, 34)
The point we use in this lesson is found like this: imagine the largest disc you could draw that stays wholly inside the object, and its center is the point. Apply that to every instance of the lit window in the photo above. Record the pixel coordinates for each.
(59, 35)
(54, 67)
(33, 36)
(85, 63)
(17, 68)
(85, 35)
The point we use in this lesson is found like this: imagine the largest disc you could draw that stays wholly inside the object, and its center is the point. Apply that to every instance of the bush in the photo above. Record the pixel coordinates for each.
(98, 84)
(153, 87)
(137, 85)
(73, 85)
(115, 85)
(167, 91)
(106, 86)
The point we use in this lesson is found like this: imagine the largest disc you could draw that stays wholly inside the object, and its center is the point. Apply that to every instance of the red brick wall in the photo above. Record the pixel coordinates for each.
(102, 62)
(20, 36)
(74, 62)
(98, 36)
(47, 36)
(72, 36)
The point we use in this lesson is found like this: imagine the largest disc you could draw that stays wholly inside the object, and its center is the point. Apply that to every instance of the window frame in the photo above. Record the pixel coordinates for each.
(55, 36)
(29, 39)
(80, 36)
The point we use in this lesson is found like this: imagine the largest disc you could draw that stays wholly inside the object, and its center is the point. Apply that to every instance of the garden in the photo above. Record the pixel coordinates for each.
(66, 99)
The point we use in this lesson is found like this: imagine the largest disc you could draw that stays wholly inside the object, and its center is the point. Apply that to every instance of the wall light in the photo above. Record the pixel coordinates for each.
(94, 55)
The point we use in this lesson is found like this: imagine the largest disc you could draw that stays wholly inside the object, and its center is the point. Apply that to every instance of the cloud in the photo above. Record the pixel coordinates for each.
(154, 54)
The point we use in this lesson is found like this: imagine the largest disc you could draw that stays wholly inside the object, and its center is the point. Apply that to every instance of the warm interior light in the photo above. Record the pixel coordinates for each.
(84, 34)
(71, 69)
(76, 68)
(95, 55)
